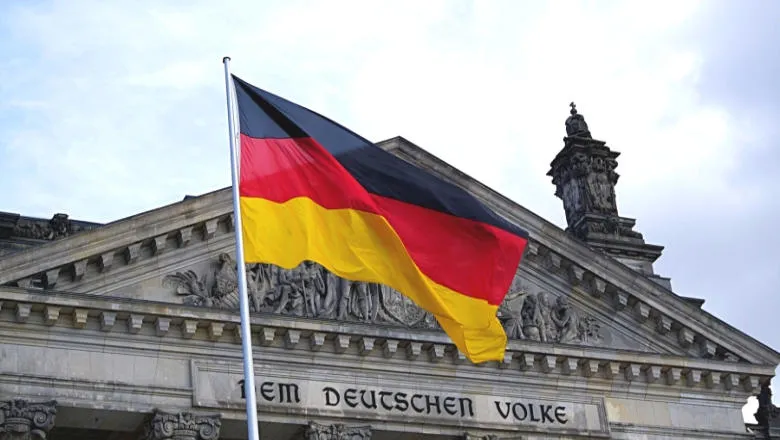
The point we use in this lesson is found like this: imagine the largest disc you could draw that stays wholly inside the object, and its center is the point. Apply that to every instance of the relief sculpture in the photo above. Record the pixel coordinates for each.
(546, 318)
(311, 291)
(308, 290)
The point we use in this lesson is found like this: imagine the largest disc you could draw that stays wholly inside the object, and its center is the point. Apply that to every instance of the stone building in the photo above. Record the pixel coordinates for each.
(130, 329)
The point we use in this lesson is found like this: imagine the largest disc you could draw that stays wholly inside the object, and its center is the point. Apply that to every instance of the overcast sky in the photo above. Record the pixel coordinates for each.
(112, 108)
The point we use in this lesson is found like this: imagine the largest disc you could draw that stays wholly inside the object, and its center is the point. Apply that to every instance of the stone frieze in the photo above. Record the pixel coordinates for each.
(311, 291)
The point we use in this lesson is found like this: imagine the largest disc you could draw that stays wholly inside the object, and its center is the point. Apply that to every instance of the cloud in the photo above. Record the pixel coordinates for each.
(106, 111)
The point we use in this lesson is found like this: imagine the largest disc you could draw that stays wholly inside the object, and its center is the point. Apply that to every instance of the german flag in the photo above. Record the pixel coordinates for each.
(311, 189)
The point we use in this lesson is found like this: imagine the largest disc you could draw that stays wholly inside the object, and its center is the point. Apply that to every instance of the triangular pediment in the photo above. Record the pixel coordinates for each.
(564, 293)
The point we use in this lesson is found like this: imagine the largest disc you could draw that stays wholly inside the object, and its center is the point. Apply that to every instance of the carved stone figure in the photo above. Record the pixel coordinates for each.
(565, 320)
(533, 325)
(182, 426)
(576, 125)
(315, 431)
(60, 226)
(537, 318)
(23, 420)
(511, 317)
(767, 415)
(309, 290)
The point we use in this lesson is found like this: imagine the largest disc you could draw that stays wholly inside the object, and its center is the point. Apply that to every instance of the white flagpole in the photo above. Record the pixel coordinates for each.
(246, 332)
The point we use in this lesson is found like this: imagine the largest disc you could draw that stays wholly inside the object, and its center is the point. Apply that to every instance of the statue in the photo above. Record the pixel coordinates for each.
(576, 125)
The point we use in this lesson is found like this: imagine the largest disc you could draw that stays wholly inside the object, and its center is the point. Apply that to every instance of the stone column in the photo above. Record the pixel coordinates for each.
(315, 431)
(24, 420)
(182, 426)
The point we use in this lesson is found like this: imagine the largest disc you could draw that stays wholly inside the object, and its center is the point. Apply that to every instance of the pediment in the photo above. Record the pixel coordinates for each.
(564, 294)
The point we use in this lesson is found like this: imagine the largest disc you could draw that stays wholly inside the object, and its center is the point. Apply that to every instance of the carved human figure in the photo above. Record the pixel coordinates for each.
(548, 331)
(532, 319)
(290, 294)
(365, 301)
(344, 287)
(566, 320)
(312, 286)
(330, 297)
(512, 318)
(606, 192)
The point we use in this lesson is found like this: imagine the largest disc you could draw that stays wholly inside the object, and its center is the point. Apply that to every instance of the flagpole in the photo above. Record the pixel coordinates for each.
(246, 332)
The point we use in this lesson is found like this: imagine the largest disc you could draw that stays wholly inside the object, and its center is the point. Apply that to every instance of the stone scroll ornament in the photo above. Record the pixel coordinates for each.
(311, 291)
(315, 431)
(182, 426)
(24, 420)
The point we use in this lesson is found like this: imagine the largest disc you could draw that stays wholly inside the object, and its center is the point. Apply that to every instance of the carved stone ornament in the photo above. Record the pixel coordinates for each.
(182, 426)
(60, 226)
(546, 318)
(468, 436)
(310, 290)
(576, 125)
(768, 415)
(315, 431)
(584, 177)
(24, 420)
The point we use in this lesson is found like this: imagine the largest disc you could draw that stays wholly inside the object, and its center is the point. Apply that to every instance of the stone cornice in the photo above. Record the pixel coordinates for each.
(99, 317)
(202, 219)
(604, 277)
(119, 237)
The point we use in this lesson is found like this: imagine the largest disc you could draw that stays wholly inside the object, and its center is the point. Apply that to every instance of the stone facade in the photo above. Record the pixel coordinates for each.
(131, 330)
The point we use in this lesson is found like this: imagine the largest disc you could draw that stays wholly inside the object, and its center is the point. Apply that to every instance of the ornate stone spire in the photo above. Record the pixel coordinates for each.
(584, 176)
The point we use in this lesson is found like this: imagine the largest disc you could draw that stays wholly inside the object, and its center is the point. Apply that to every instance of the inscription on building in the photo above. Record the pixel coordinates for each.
(394, 399)
(420, 403)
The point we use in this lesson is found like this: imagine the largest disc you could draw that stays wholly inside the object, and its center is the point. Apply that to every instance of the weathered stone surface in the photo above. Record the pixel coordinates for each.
(104, 335)
(584, 174)
(24, 420)
(182, 426)
(316, 431)
(310, 290)
(468, 436)
(415, 399)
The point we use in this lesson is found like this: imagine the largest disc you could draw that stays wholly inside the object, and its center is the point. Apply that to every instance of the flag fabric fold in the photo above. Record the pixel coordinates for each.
(311, 189)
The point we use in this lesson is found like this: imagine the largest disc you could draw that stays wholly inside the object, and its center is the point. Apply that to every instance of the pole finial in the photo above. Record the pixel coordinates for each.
(225, 59)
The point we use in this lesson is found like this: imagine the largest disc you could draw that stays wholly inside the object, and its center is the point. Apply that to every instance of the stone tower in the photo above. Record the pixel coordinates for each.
(584, 176)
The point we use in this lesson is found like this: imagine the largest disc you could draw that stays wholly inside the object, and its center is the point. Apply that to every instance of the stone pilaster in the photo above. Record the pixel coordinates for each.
(315, 431)
(24, 420)
(182, 426)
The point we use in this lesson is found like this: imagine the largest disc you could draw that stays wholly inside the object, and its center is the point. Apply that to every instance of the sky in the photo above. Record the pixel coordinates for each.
(108, 109)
